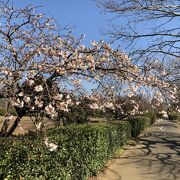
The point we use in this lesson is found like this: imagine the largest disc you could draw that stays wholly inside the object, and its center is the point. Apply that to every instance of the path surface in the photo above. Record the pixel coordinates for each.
(156, 156)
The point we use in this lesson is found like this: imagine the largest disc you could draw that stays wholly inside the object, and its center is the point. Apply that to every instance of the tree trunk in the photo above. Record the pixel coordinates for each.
(4, 127)
(13, 127)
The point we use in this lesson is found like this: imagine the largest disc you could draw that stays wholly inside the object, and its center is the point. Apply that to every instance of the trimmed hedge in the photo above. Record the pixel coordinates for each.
(3, 112)
(174, 116)
(82, 151)
(152, 116)
(138, 124)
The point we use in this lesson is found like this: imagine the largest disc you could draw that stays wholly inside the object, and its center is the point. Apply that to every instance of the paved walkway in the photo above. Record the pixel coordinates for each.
(155, 156)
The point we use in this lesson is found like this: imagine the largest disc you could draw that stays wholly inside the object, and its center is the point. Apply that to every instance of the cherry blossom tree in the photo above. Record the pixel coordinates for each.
(42, 72)
(149, 31)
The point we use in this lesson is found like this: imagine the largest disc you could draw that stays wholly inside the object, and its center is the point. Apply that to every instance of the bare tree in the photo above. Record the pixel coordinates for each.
(149, 28)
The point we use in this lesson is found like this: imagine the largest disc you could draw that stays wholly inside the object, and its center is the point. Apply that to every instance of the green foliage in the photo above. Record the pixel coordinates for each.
(174, 116)
(2, 112)
(76, 115)
(159, 115)
(138, 124)
(97, 113)
(152, 115)
(82, 151)
(119, 133)
(13, 112)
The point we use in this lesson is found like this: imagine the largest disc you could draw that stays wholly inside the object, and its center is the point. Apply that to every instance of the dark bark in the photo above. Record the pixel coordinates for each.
(20, 113)
(13, 127)
(4, 127)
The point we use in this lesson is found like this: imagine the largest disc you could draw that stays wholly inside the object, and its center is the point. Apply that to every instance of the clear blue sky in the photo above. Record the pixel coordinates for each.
(83, 14)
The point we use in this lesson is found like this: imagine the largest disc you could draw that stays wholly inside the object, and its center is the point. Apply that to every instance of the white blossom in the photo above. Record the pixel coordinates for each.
(38, 88)
(58, 97)
(38, 125)
(94, 106)
(38, 102)
(51, 111)
(18, 103)
(27, 99)
(50, 146)
(21, 94)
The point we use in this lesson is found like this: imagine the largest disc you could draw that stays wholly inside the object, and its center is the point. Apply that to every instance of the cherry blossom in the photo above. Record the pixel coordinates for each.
(50, 146)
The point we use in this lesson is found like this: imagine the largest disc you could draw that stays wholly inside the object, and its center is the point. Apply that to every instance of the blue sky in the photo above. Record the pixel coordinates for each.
(84, 15)
(86, 18)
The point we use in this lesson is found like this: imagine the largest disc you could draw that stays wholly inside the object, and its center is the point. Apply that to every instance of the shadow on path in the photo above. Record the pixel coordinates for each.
(156, 156)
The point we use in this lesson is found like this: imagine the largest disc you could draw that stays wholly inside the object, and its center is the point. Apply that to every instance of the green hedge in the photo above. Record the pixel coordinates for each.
(174, 116)
(138, 124)
(3, 112)
(82, 151)
(152, 116)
